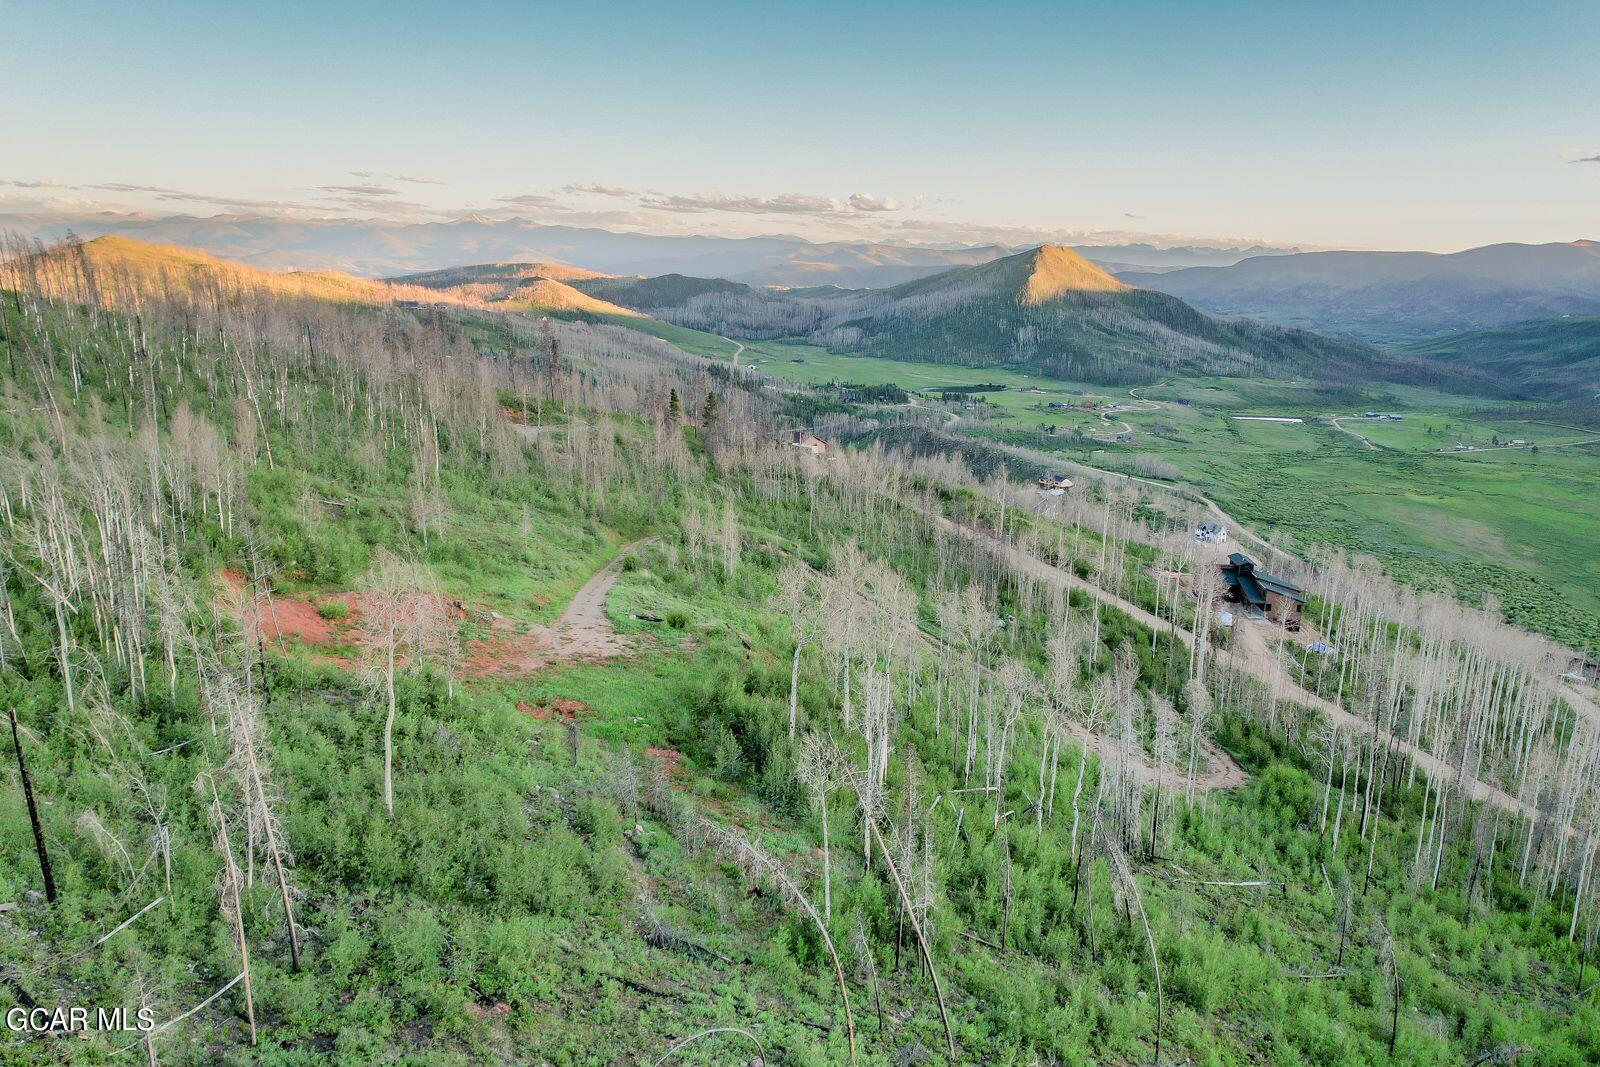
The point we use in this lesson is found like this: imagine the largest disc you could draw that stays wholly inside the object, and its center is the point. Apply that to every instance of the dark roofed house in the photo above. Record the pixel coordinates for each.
(1270, 596)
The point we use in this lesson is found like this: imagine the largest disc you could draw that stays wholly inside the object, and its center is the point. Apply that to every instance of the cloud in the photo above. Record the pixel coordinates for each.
(1588, 159)
(360, 190)
(371, 174)
(787, 204)
(601, 190)
(45, 184)
(1131, 215)
(382, 205)
(866, 202)
(236, 203)
(529, 200)
(804, 204)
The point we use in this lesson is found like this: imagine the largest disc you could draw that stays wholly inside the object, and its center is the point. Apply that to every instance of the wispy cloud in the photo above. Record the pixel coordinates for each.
(382, 176)
(1131, 215)
(360, 190)
(601, 190)
(539, 200)
(803, 204)
(180, 196)
(45, 184)
(1588, 159)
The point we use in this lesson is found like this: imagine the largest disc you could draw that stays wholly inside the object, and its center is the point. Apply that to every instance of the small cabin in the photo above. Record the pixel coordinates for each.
(1210, 533)
(1263, 595)
(806, 442)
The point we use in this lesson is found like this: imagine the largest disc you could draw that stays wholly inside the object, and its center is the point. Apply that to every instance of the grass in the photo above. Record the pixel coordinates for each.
(1512, 524)
(497, 916)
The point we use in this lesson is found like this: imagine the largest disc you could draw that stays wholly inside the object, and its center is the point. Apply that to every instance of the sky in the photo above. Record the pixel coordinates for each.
(1422, 125)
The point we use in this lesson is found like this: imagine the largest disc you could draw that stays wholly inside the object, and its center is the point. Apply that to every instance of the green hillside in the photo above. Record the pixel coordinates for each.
(1555, 358)
(389, 694)
(1047, 310)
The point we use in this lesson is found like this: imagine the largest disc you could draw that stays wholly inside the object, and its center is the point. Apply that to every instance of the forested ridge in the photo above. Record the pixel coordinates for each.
(886, 763)
(1047, 309)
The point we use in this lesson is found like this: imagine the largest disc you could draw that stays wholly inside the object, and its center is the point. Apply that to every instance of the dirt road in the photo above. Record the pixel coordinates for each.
(1251, 656)
(582, 632)
(1338, 424)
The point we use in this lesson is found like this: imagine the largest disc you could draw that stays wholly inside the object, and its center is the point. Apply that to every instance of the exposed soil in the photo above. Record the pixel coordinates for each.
(582, 633)
(560, 708)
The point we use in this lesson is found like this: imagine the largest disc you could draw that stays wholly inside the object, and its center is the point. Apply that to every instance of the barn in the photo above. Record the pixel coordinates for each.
(1262, 594)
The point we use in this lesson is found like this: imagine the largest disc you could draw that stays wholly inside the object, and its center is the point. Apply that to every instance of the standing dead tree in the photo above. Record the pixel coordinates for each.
(248, 765)
(404, 622)
(798, 597)
(228, 893)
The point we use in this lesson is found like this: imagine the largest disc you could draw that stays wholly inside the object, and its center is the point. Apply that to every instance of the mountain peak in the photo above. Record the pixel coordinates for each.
(1053, 270)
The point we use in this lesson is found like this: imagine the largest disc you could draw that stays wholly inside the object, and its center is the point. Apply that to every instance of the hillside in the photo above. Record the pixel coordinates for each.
(117, 270)
(1555, 358)
(389, 696)
(552, 297)
(1049, 310)
(1396, 296)
(503, 274)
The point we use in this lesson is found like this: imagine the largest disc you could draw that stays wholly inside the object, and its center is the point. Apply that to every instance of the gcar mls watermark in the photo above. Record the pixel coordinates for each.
(65, 1019)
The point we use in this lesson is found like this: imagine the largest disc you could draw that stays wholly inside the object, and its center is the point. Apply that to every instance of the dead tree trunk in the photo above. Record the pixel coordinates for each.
(33, 812)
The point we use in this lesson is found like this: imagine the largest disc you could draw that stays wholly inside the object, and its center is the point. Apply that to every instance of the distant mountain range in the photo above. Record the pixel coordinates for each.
(1396, 296)
(1048, 309)
(378, 248)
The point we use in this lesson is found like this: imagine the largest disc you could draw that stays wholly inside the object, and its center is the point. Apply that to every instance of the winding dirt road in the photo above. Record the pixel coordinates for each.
(1339, 425)
(1251, 656)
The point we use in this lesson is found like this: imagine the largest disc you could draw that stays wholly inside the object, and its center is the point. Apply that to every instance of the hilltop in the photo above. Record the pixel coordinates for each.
(1048, 309)
(115, 270)
(506, 275)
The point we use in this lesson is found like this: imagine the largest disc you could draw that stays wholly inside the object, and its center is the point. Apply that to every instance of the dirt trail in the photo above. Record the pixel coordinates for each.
(583, 627)
(1252, 656)
(1338, 424)
(582, 632)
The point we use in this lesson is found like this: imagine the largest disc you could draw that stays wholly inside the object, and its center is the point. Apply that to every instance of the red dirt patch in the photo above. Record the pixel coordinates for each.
(670, 758)
(560, 708)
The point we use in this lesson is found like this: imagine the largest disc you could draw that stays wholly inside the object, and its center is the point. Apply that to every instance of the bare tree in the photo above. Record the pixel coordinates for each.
(404, 622)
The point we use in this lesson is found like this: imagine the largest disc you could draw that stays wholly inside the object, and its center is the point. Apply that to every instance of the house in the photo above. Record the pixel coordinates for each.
(805, 441)
(1210, 533)
(1055, 483)
(1395, 418)
(1262, 594)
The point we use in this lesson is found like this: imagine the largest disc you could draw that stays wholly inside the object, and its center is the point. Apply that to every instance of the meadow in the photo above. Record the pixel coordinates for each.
(1515, 524)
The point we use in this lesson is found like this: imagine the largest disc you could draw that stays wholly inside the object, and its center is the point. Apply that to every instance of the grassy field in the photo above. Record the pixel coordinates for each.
(1513, 523)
